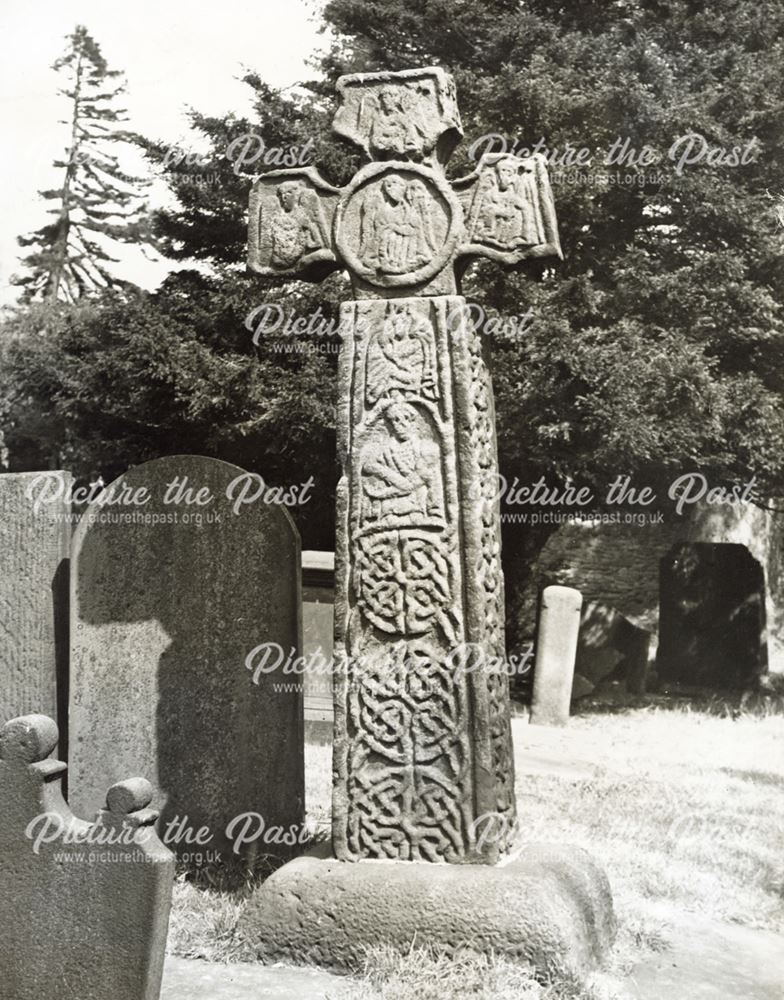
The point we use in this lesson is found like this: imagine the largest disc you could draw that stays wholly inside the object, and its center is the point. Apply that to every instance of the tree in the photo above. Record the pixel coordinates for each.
(95, 387)
(97, 202)
(655, 348)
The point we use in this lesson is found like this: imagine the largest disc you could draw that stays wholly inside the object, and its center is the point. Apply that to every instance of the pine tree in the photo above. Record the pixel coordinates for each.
(97, 203)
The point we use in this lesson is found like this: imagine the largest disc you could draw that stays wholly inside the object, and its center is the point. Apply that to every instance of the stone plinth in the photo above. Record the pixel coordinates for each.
(552, 909)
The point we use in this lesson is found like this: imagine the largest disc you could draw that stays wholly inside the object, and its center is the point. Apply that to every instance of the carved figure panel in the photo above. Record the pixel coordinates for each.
(508, 209)
(408, 115)
(401, 357)
(400, 472)
(290, 223)
(397, 224)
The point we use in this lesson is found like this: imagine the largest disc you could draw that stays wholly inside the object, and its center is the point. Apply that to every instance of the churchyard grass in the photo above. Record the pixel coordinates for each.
(683, 807)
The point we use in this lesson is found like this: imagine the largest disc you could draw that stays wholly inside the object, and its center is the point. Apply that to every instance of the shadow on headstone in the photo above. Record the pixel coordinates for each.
(84, 907)
(60, 604)
(166, 607)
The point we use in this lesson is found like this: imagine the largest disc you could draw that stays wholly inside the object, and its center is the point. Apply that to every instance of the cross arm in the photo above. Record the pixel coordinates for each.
(508, 210)
(290, 225)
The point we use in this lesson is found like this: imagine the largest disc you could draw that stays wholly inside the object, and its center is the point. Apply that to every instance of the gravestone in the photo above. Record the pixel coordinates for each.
(556, 648)
(423, 766)
(612, 653)
(84, 907)
(169, 602)
(34, 539)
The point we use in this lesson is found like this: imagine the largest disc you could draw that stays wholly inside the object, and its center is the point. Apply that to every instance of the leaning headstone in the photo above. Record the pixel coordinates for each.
(183, 615)
(556, 648)
(612, 653)
(84, 907)
(34, 539)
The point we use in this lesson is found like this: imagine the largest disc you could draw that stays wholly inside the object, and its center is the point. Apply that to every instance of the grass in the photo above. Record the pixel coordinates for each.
(422, 974)
(685, 810)
(683, 807)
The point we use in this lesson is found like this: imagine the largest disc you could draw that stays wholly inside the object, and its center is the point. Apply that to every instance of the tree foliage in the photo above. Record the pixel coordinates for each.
(97, 202)
(655, 348)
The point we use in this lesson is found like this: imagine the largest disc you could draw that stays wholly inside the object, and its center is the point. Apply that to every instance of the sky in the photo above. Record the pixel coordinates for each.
(174, 53)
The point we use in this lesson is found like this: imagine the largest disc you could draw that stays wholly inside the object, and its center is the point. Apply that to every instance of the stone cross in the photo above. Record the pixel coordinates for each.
(423, 766)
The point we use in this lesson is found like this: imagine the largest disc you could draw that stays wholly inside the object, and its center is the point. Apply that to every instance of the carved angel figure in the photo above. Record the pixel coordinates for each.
(298, 227)
(396, 230)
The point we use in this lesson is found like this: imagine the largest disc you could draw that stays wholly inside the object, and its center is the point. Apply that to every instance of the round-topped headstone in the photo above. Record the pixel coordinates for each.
(177, 576)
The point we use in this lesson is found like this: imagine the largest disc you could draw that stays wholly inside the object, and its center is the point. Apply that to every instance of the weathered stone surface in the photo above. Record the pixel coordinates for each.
(408, 114)
(34, 539)
(423, 766)
(422, 743)
(291, 216)
(509, 210)
(165, 613)
(556, 646)
(80, 921)
(419, 618)
(553, 909)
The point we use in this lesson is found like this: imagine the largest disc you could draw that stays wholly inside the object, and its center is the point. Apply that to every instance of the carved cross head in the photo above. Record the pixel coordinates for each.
(399, 227)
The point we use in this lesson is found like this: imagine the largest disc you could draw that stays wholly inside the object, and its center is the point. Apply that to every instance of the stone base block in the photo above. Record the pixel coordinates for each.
(553, 908)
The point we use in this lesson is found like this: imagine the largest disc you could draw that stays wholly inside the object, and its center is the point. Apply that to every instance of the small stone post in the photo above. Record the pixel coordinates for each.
(556, 648)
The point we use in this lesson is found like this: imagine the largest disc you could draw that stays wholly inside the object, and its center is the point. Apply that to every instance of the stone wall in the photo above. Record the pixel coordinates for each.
(619, 565)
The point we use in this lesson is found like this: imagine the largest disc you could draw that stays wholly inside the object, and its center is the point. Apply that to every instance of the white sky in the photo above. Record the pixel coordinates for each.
(174, 53)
